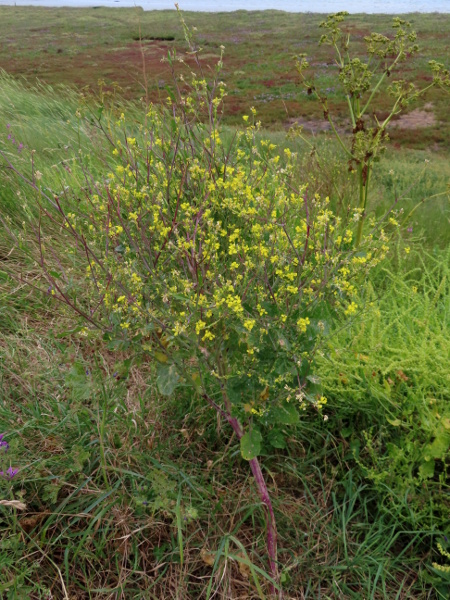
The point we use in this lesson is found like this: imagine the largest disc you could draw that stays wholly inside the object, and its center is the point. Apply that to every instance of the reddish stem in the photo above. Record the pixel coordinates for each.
(265, 499)
(271, 523)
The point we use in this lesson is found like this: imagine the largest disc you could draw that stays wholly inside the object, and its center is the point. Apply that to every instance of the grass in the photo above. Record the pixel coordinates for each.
(129, 495)
(106, 472)
(388, 373)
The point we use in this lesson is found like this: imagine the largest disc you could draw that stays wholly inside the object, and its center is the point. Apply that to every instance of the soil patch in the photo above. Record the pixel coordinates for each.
(417, 118)
(314, 125)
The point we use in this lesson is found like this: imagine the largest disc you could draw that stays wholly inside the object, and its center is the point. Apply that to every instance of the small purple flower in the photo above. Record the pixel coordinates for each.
(9, 136)
(8, 126)
(10, 473)
(3, 444)
(20, 147)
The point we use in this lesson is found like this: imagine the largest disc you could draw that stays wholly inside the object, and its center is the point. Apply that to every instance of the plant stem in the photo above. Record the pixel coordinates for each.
(272, 534)
(363, 194)
(362, 197)
(271, 523)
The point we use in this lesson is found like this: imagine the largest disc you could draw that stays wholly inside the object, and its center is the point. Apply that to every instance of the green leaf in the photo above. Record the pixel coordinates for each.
(167, 379)
(285, 413)
(251, 444)
(277, 439)
(240, 389)
(122, 369)
(314, 385)
(440, 445)
(50, 492)
(283, 365)
(55, 274)
(426, 469)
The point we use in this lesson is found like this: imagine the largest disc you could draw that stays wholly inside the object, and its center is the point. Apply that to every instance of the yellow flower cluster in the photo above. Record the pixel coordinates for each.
(222, 252)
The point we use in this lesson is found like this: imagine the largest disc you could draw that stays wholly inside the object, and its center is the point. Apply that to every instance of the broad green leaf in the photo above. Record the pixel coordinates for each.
(239, 389)
(285, 413)
(440, 444)
(426, 469)
(277, 439)
(167, 379)
(251, 444)
(314, 385)
(55, 274)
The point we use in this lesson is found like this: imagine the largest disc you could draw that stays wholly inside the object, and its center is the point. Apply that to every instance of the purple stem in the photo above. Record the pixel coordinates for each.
(271, 523)
(265, 499)
(262, 490)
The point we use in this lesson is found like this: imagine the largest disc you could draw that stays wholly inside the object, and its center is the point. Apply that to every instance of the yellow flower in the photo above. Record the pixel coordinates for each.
(302, 324)
(351, 308)
(249, 324)
(199, 326)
